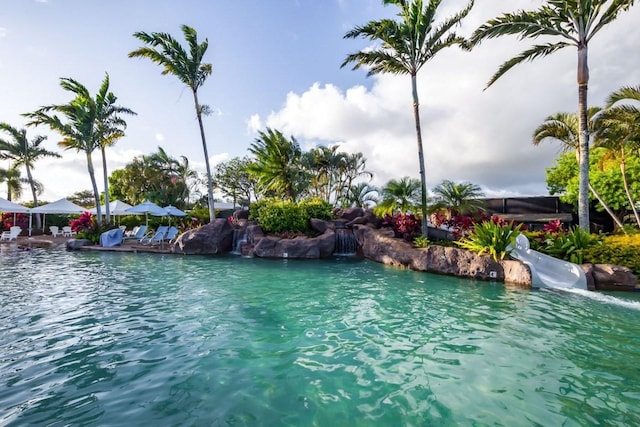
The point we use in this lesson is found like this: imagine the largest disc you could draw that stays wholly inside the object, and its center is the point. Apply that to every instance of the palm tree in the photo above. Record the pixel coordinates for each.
(88, 124)
(574, 23)
(189, 69)
(621, 133)
(406, 45)
(21, 151)
(458, 198)
(361, 195)
(277, 165)
(403, 195)
(565, 128)
(110, 127)
(14, 181)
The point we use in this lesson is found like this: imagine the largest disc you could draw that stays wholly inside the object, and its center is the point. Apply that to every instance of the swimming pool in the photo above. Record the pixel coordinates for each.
(93, 338)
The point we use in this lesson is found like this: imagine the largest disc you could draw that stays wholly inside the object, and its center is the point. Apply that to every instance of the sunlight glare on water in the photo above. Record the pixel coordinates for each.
(90, 338)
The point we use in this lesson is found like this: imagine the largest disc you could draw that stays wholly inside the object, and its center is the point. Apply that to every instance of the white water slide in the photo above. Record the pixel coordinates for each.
(547, 271)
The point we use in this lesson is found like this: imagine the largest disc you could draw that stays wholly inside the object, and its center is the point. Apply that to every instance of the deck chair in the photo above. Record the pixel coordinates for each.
(172, 233)
(137, 233)
(54, 230)
(12, 234)
(67, 231)
(157, 237)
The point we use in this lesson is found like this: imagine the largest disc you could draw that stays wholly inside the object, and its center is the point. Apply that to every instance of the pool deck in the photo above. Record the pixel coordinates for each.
(131, 245)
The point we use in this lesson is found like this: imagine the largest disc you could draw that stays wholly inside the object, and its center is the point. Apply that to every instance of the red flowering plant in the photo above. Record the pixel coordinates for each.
(84, 223)
(406, 226)
(22, 220)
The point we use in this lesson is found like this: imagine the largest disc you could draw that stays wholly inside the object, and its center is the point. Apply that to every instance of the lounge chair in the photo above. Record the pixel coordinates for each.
(67, 231)
(54, 230)
(172, 233)
(12, 234)
(157, 237)
(137, 233)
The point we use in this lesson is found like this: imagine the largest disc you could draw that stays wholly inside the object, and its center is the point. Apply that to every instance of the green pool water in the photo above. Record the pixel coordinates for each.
(109, 339)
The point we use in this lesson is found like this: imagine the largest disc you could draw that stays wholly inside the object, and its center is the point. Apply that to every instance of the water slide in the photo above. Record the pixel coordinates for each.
(547, 271)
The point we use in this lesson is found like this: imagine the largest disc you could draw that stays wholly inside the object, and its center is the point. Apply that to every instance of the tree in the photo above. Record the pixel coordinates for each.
(620, 134)
(565, 128)
(361, 195)
(403, 195)
(574, 23)
(458, 198)
(23, 152)
(82, 198)
(277, 165)
(14, 181)
(234, 180)
(407, 45)
(88, 123)
(189, 69)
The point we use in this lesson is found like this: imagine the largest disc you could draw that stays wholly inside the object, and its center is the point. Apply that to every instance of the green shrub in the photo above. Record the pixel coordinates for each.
(421, 242)
(316, 208)
(492, 238)
(619, 250)
(277, 216)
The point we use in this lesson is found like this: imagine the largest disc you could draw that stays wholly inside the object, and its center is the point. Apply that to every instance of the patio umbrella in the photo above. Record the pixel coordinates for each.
(173, 211)
(146, 208)
(116, 208)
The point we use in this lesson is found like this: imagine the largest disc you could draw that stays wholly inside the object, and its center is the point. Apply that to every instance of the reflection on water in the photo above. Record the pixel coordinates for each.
(131, 339)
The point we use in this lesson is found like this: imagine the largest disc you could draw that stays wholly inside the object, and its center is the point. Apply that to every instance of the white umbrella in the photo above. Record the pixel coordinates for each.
(117, 207)
(146, 208)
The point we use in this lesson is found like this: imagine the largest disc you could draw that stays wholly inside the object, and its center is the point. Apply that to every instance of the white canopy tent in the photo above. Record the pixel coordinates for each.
(10, 207)
(116, 208)
(62, 206)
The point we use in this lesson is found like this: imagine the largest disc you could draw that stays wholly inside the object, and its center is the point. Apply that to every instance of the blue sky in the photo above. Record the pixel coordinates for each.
(277, 63)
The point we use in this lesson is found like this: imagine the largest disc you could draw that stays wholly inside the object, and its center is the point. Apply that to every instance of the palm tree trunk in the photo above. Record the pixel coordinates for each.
(623, 170)
(96, 195)
(34, 194)
(583, 189)
(105, 176)
(423, 178)
(212, 211)
(607, 208)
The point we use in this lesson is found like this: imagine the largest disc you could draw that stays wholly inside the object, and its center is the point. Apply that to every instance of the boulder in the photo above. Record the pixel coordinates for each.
(299, 247)
(213, 238)
(318, 225)
(381, 246)
(610, 277)
(350, 214)
(516, 273)
(75, 244)
(588, 273)
(240, 214)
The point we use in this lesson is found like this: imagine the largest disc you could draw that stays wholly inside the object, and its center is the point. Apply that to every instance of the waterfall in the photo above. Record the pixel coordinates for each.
(239, 239)
(346, 242)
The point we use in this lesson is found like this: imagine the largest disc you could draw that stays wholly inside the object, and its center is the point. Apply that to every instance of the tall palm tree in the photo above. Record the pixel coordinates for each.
(21, 151)
(572, 23)
(277, 165)
(400, 196)
(407, 45)
(110, 128)
(361, 195)
(458, 198)
(85, 124)
(565, 128)
(167, 52)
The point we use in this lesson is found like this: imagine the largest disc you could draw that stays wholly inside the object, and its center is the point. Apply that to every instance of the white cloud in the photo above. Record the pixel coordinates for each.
(159, 137)
(3, 32)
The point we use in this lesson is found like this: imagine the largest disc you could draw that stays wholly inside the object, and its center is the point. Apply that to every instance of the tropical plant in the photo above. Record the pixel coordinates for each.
(276, 165)
(491, 237)
(572, 23)
(421, 242)
(14, 181)
(405, 46)
(403, 225)
(569, 246)
(188, 67)
(399, 196)
(458, 198)
(565, 128)
(21, 152)
(620, 134)
(361, 195)
(85, 124)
